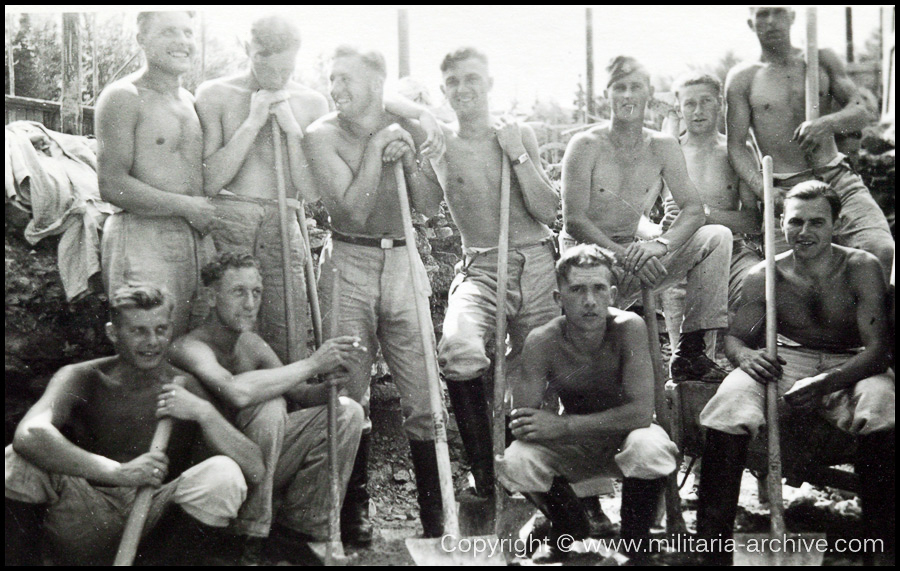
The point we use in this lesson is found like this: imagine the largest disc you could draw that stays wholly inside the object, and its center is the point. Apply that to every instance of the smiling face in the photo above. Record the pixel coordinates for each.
(466, 86)
(808, 226)
(772, 25)
(699, 105)
(237, 297)
(353, 85)
(168, 42)
(272, 71)
(585, 296)
(142, 336)
(628, 96)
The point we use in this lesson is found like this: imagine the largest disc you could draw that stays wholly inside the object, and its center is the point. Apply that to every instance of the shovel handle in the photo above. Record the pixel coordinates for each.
(812, 65)
(290, 312)
(312, 294)
(334, 488)
(774, 476)
(451, 520)
(499, 409)
(134, 526)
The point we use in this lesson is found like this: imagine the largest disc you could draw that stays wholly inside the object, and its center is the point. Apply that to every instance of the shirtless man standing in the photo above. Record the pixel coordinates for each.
(148, 164)
(597, 359)
(237, 366)
(768, 96)
(239, 166)
(351, 154)
(473, 163)
(82, 448)
(726, 199)
(833, 362)
(614, 173)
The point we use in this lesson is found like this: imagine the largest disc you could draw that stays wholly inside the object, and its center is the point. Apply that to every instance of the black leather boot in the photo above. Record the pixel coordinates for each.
(470, 408)
(691, 363)
(599, 525)
(724, 457)
(356, 529)
(563, 508)
(639, 501)
(875, 465)
(428, 485)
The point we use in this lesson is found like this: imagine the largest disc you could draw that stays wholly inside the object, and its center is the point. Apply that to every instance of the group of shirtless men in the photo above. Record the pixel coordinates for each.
(194, 176)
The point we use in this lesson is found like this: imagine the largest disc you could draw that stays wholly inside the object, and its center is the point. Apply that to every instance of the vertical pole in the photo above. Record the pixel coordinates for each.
(70, 107)
(812, 65)
(849, 12)
(589, 77)
(403, 41)
(202, 47)
(10, 56)
(95, 63)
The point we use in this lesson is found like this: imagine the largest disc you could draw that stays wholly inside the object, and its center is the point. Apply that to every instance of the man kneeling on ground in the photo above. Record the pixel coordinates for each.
(82, 448)
(597, 359)
(833, 362)
(247, 376)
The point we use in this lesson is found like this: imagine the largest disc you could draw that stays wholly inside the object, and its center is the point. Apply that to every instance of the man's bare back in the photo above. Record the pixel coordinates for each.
(473, 194)
(224, 105)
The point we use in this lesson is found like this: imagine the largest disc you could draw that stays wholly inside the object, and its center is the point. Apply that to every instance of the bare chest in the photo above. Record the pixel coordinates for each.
(625, 179)
(823, 306)
(169, 127)
(711, 172)
(779, 94)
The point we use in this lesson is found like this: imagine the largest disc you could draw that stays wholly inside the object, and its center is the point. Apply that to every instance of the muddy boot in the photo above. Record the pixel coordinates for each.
(563, 508)
(690, 362)
(356, 529)
(23, 533)
(875, 466)
(640, 499)
(599, 525)
(428, 485)
(724, 457)
(470, 409)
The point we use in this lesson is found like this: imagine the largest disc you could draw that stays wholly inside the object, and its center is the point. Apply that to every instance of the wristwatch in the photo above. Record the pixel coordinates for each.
(664, 241)
(523, 158)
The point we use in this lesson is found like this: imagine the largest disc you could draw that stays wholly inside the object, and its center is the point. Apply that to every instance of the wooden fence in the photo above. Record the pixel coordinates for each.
(46, 112)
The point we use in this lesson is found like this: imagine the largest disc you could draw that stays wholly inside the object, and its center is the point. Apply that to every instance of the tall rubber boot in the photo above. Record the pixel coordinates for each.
(428, 485)
(599, 525)
(23, 533)
(724, 457)
(563, 508)
(470, 408)
(640, 499)
(356, 529)
(875, 465)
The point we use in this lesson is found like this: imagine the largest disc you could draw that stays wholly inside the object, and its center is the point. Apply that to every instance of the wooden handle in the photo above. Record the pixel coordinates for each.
(498, 426)
(812, 65)
(290, 312)
(134, 526)
(334, 519)
(312, 293)
(774, 476)
(451, 520)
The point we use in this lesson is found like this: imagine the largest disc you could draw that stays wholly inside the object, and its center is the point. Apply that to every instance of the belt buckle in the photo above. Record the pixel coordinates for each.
(387, 243)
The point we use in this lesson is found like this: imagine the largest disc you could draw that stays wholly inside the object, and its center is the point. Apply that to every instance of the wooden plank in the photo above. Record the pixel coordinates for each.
(70, 107)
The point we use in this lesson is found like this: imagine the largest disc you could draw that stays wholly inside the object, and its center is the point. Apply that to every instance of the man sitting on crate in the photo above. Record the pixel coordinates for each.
(833, 362)
(597, 359)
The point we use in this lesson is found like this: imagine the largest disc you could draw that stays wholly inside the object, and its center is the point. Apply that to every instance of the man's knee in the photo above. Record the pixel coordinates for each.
(716, 236)
(212, 491)
(263, 417)
(462, 358)
(647, 453)
(350, 416)
(524, 469)
(737, 406)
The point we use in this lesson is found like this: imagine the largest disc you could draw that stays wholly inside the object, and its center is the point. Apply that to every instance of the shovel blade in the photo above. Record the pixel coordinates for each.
(762, 549)
(479, 550)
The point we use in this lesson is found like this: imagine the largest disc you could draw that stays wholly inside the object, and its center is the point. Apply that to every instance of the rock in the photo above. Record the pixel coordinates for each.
(401, 475)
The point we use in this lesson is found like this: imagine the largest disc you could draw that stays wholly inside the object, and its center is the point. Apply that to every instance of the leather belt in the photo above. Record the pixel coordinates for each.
(383, 243)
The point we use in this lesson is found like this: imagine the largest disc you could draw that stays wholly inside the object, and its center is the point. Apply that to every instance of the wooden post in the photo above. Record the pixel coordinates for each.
(589, 77)
(849, 13)
(403, 41)
(202, 48)
(11, 57)
(95, 64)
(70, 106)
(812, 65)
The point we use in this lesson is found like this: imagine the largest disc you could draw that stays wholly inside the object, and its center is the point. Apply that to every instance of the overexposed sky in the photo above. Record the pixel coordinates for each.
(535, 51)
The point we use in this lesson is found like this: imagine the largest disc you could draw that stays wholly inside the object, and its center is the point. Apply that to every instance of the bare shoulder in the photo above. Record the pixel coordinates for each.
(831, 61)
(546, 337)
(119, 95)
(87, 369)
(627, 322)
(589, 140)
(325, 128)
(306, 95)
(861, 264)
(741, 75)
(213, 90)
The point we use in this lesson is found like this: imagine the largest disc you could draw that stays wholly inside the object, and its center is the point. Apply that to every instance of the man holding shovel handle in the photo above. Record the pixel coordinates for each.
(832, 361)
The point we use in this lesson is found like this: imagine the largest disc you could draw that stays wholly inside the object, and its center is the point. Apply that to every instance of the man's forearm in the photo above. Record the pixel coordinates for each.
(616, 420)
(854, 117)
(583, 230)
(745, 165)
(540, 198)
(871, 361)
(48, 449)
(258, 386)
(358, 199)
(225, 439)
(301, 178)
(222, 166)
(688, 221)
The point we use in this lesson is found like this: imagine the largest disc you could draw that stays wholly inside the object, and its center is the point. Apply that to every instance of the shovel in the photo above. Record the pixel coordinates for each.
(777, 547)
(451, 549)
(134, 526)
